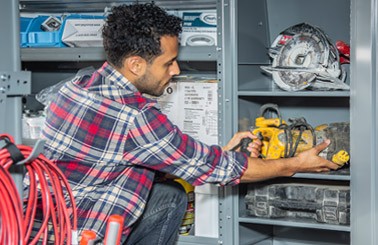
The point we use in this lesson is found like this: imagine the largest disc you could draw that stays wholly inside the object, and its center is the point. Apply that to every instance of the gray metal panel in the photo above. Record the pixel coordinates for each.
(254, 234)
(332, 16)
(251, 78)
(43, 80)
(62, 6)
(225, 71)
(10, 38)
(296, 93)
(364, 112)
(195, 240)
(253, 38)
(241, 233)
(62, 54)
(290, 236)
(344, 175)
(316, 110)
(10, 62)
(295, 224)
(15, 83)
(98, 54)
(226, 75)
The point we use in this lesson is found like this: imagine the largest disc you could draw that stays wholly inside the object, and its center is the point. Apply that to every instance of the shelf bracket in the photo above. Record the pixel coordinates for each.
(15, 83)
(12, 84)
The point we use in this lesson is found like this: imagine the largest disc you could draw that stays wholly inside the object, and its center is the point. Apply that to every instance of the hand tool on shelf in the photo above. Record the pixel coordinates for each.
(281, 139)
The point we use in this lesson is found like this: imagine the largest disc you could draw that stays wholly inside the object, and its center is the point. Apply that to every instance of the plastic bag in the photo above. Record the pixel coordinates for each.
(46, 95)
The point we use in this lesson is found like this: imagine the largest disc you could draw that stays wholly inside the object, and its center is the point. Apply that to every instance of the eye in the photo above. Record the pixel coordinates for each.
(171, 62)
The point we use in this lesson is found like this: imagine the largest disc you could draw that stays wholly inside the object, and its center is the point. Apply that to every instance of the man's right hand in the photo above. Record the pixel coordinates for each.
(308, 161)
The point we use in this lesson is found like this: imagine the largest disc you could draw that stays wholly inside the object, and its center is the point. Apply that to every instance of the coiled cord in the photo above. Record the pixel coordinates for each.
(296, 124)
(47, 191)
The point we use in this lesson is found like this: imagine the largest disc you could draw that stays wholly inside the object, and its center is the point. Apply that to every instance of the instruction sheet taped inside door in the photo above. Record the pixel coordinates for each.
(193, 107)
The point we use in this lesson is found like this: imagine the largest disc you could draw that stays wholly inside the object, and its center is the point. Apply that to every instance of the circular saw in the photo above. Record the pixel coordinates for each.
(303, 56)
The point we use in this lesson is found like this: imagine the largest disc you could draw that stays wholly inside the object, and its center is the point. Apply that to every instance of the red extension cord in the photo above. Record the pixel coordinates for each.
(47, 190)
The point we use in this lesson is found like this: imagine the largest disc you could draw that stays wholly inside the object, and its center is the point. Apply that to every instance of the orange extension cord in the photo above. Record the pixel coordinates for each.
(46, 191)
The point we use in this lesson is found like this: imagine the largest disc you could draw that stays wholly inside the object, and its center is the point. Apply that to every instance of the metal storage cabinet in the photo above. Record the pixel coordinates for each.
(238, 93)
(251, 27)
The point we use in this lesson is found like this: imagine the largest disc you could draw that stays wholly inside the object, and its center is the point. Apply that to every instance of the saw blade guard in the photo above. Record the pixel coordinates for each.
(304, 57)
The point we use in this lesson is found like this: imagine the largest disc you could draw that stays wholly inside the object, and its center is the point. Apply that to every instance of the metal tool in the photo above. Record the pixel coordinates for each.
(304, 57)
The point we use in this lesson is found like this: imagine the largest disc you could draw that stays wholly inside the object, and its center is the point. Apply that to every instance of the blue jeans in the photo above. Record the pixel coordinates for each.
(162, 217)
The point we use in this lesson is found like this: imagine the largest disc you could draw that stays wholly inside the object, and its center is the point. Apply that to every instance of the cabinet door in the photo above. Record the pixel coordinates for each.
(363, 132)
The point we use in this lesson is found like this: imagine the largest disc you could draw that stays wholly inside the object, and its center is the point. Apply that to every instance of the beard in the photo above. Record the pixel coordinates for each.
(148, 85)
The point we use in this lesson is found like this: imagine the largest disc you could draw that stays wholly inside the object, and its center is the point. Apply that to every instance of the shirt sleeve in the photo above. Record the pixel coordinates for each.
(154, 142)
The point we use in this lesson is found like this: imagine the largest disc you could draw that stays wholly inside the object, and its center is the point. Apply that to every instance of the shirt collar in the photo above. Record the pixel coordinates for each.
(115, 77)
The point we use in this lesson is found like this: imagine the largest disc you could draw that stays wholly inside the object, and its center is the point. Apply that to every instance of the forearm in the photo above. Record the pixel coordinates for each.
(259, 169)
(307, 161)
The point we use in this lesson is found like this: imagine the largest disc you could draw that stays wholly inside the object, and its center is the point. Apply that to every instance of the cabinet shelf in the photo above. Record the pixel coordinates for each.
(98, 54)
(196, 240)
(343, 175)
(295, 94)
(294, 223)
(99, 5)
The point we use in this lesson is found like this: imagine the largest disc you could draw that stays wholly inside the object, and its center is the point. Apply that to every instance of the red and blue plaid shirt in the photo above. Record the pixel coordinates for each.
(110, 141)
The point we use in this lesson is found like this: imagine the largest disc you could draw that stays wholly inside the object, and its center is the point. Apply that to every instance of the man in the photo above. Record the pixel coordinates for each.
(114, 145)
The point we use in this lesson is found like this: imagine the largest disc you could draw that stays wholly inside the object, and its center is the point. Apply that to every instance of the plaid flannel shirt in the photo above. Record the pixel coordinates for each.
(110, 141)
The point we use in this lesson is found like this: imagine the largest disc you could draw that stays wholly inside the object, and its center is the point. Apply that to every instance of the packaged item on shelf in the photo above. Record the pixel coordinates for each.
(300, 202)
(73, 30)
(207, 211)
(43, 31)
(199, 29)
(83, 30)
(32, 125)
(192, 104)
(24, 29)
(52, 23)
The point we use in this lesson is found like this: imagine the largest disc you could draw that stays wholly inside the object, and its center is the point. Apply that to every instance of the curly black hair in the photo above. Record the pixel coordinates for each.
(136, 30)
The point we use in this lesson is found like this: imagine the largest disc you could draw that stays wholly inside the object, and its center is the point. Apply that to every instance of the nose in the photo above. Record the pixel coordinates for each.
(175, 69)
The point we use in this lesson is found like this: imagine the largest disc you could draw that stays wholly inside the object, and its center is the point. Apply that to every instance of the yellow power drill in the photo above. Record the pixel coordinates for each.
(280, 140)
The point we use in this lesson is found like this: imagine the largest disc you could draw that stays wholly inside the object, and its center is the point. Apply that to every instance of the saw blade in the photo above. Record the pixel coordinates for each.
(302, 51)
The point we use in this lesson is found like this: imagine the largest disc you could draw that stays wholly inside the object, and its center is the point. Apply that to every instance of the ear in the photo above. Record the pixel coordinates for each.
(136, 65)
